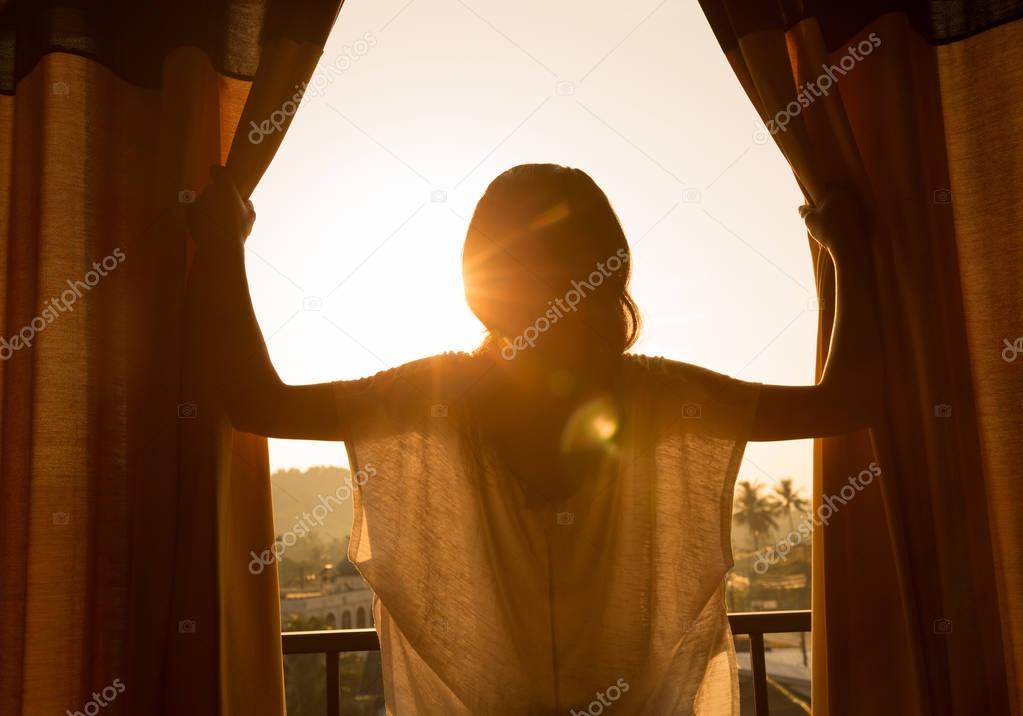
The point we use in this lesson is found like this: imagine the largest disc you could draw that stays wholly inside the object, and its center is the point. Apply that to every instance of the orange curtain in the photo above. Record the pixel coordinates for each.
(128, 506)
(917, 605)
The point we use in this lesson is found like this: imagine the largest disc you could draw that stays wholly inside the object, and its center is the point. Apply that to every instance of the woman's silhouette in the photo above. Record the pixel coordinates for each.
(547, 525)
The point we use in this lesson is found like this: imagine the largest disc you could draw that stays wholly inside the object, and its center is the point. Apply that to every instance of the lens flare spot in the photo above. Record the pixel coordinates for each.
(593, 425)
(604, 427)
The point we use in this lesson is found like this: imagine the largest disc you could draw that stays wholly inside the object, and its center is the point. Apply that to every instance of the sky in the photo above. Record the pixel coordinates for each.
(355, 259)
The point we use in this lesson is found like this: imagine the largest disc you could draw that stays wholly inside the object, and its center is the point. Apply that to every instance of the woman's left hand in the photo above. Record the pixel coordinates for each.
(220, 214)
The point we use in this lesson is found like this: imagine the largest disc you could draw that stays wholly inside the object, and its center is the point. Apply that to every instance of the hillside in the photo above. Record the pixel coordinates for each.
(296, 492)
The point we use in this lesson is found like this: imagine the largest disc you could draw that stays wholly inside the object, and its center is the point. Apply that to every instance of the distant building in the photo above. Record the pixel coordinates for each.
(332, 601)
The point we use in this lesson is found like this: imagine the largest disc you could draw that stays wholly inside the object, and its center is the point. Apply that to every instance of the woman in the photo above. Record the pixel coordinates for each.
(545, 523)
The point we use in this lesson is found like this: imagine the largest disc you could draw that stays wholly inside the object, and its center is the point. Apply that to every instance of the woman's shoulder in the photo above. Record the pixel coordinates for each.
(667, 367)
(674, 375)
(447, 364)
(438, 373)
(396, 397)
(723, 404)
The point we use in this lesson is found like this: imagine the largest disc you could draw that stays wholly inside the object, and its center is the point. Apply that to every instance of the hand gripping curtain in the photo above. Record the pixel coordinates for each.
(917, 584)
(127, 505)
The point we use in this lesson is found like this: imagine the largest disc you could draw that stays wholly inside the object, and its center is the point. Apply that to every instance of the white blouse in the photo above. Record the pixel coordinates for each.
(610, 600)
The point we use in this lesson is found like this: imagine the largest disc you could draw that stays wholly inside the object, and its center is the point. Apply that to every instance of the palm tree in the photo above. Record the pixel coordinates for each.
(789, 499)
(755, 510)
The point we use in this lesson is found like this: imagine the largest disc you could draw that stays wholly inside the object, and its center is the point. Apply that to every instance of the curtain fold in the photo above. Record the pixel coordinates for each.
(127, 504)
(916, 586)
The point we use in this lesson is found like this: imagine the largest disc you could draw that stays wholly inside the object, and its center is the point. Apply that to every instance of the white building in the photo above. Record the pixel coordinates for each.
(340, 602)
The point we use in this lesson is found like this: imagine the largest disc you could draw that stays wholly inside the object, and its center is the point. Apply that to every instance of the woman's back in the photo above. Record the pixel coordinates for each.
(549, 425)
(508, 585)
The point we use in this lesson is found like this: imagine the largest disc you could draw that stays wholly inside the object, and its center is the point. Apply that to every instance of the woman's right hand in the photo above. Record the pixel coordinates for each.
(221, 215)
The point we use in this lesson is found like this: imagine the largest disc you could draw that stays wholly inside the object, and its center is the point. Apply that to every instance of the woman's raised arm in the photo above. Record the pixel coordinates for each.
(847, 398)
(256, 399)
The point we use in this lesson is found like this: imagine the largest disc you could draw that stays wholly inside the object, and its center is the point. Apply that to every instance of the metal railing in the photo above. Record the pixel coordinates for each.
(751, 624)
(755, 625)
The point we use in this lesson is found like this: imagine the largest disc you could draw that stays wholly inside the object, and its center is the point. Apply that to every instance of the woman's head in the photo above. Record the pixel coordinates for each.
(546, 264)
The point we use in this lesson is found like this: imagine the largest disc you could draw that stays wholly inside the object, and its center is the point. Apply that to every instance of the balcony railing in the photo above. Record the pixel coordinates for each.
(334, 643)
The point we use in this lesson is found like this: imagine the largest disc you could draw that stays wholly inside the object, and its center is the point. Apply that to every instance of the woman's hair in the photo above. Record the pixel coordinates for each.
(543, 245)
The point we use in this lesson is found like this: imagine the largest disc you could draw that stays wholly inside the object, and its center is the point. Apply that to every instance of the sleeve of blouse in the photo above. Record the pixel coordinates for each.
(391, 401)
(704, 401)
(713, 413)
(409, 490)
